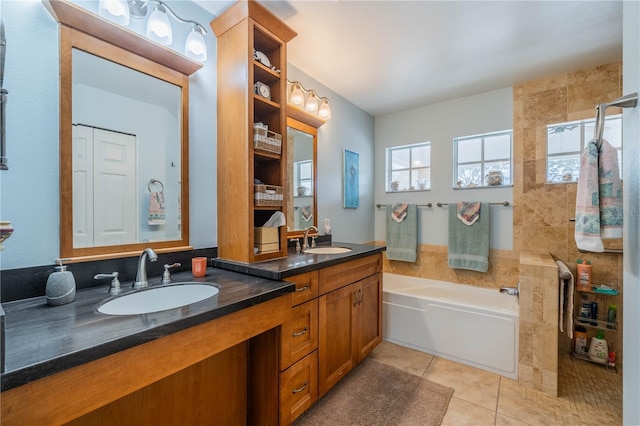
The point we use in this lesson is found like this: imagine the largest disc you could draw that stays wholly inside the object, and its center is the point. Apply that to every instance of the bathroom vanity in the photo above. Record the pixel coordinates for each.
(260, 351)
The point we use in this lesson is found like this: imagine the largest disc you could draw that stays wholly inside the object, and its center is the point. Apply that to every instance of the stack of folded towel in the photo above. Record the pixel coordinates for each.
(469, 236)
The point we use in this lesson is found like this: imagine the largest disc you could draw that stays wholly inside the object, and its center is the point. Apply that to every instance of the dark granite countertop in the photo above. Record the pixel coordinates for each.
(42, 340)
(299, 263)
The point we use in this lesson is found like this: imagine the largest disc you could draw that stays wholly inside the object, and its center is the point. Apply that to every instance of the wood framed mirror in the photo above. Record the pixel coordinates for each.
(302, 206)
(124, 120)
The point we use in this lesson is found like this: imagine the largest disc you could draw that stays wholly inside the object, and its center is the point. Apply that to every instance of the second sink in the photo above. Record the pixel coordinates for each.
(157, 299)
(327, 250)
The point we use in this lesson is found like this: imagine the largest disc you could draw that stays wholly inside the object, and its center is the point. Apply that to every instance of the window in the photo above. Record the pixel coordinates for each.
(566, 141)
(303, 177)
(476, 157)
(409, 167)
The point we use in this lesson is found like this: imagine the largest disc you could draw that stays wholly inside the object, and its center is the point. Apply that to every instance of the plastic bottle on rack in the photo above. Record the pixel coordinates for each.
(598, 350)
(580, 340)
(584, 274)
(611, 316)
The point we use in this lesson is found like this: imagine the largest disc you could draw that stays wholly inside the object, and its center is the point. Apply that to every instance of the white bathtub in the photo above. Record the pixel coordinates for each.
(466, 324)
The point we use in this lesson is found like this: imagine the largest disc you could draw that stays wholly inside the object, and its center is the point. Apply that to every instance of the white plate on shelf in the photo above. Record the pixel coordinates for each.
(262, 58)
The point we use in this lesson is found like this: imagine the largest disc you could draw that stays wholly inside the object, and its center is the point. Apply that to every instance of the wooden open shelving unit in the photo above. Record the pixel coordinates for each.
(241, 29)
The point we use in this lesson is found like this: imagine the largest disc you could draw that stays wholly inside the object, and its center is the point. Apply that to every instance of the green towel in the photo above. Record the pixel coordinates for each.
(469, 244)
(402, 237)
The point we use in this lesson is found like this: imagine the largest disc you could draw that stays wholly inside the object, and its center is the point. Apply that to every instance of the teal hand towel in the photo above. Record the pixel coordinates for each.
(402, 237)
(469, 244)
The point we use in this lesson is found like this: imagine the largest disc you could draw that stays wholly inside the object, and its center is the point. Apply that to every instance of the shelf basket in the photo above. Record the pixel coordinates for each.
(268, 195)
(266, 140)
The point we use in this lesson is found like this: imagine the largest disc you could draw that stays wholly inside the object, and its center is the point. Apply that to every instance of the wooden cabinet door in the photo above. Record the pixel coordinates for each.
(369, 312)
(337, 330)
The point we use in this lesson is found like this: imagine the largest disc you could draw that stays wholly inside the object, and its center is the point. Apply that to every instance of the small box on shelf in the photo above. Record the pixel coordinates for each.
(267, 240)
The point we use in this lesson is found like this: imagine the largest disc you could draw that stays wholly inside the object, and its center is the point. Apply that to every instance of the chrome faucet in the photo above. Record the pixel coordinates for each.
(512, 291)
(305, 243)
(141, 276)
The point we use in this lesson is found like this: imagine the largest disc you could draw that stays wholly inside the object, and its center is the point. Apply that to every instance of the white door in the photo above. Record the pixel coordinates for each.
(82, 186)
(106, 203)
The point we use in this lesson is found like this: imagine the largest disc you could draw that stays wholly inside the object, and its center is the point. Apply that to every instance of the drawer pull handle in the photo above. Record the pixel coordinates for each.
(300, 389)
(300, 333)
(306, 287)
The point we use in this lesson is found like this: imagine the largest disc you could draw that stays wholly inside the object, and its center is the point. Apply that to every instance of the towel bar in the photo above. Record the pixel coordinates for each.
(504, 203)
(419, 205)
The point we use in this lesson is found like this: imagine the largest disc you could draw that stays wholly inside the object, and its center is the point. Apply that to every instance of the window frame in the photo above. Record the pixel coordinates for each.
(482, 161)
(584, 138)
(389, 171)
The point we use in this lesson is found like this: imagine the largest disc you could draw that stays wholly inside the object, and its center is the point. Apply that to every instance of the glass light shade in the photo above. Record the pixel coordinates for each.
(324, 111)
(158, 26)
(297, 95)
(114, 10)
(312, 102)
(195, 46)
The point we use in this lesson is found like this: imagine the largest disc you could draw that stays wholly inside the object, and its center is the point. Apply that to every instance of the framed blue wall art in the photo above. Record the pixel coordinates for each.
(351, 181)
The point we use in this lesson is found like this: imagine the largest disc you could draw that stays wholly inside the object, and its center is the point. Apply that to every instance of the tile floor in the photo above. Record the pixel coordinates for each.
(589, 394)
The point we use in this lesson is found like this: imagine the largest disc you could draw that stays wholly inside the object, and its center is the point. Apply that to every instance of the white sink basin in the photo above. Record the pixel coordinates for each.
(327, 250)
(157, 299)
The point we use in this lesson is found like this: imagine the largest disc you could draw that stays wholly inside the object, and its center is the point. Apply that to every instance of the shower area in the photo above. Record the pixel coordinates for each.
(544, 231)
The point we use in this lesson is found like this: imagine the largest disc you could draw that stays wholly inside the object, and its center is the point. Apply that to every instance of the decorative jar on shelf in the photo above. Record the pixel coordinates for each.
(494, 178)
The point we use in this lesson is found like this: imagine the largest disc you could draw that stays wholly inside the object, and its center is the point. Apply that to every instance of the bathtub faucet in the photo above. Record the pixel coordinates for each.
(511, 291)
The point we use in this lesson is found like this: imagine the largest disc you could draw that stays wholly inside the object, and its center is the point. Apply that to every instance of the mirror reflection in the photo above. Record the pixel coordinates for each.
(301, 210)
(126, 154)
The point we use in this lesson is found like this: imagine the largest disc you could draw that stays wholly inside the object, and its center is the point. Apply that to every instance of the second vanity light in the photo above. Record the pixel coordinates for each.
(158, 26)
(308, 100)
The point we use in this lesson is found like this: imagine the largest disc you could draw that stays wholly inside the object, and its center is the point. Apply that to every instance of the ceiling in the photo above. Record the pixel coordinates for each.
(388, 56)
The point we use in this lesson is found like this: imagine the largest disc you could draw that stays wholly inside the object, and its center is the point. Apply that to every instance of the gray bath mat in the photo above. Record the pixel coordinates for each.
(376, 394)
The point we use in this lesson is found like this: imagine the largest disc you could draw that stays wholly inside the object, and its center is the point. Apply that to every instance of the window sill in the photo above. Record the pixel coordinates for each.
(407, 190)
(458, 188)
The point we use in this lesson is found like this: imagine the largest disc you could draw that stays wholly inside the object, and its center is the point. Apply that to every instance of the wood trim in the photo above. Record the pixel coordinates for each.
(95, 384)
(81, 19)
(342, 274)
(71, 38)
(304, 117)
(244, 9)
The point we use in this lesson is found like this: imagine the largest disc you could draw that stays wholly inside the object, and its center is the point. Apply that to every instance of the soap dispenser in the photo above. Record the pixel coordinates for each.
(61, 286)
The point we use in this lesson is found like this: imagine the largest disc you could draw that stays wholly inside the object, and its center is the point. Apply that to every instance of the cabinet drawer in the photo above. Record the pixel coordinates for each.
(306, 287)
(299, 333)
(298, 388)
(337, 276)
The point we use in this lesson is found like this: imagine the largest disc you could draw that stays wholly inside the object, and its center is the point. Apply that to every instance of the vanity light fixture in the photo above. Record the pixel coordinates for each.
(312, 102)
(297, 95)
(115, 10)
(158, 25)
(324, 111)
(308, 100)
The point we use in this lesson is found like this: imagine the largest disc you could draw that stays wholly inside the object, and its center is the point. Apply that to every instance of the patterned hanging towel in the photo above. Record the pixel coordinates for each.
(399, 211)
(599, 212)
(469, 212)
(156, 209)
(306, 213)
